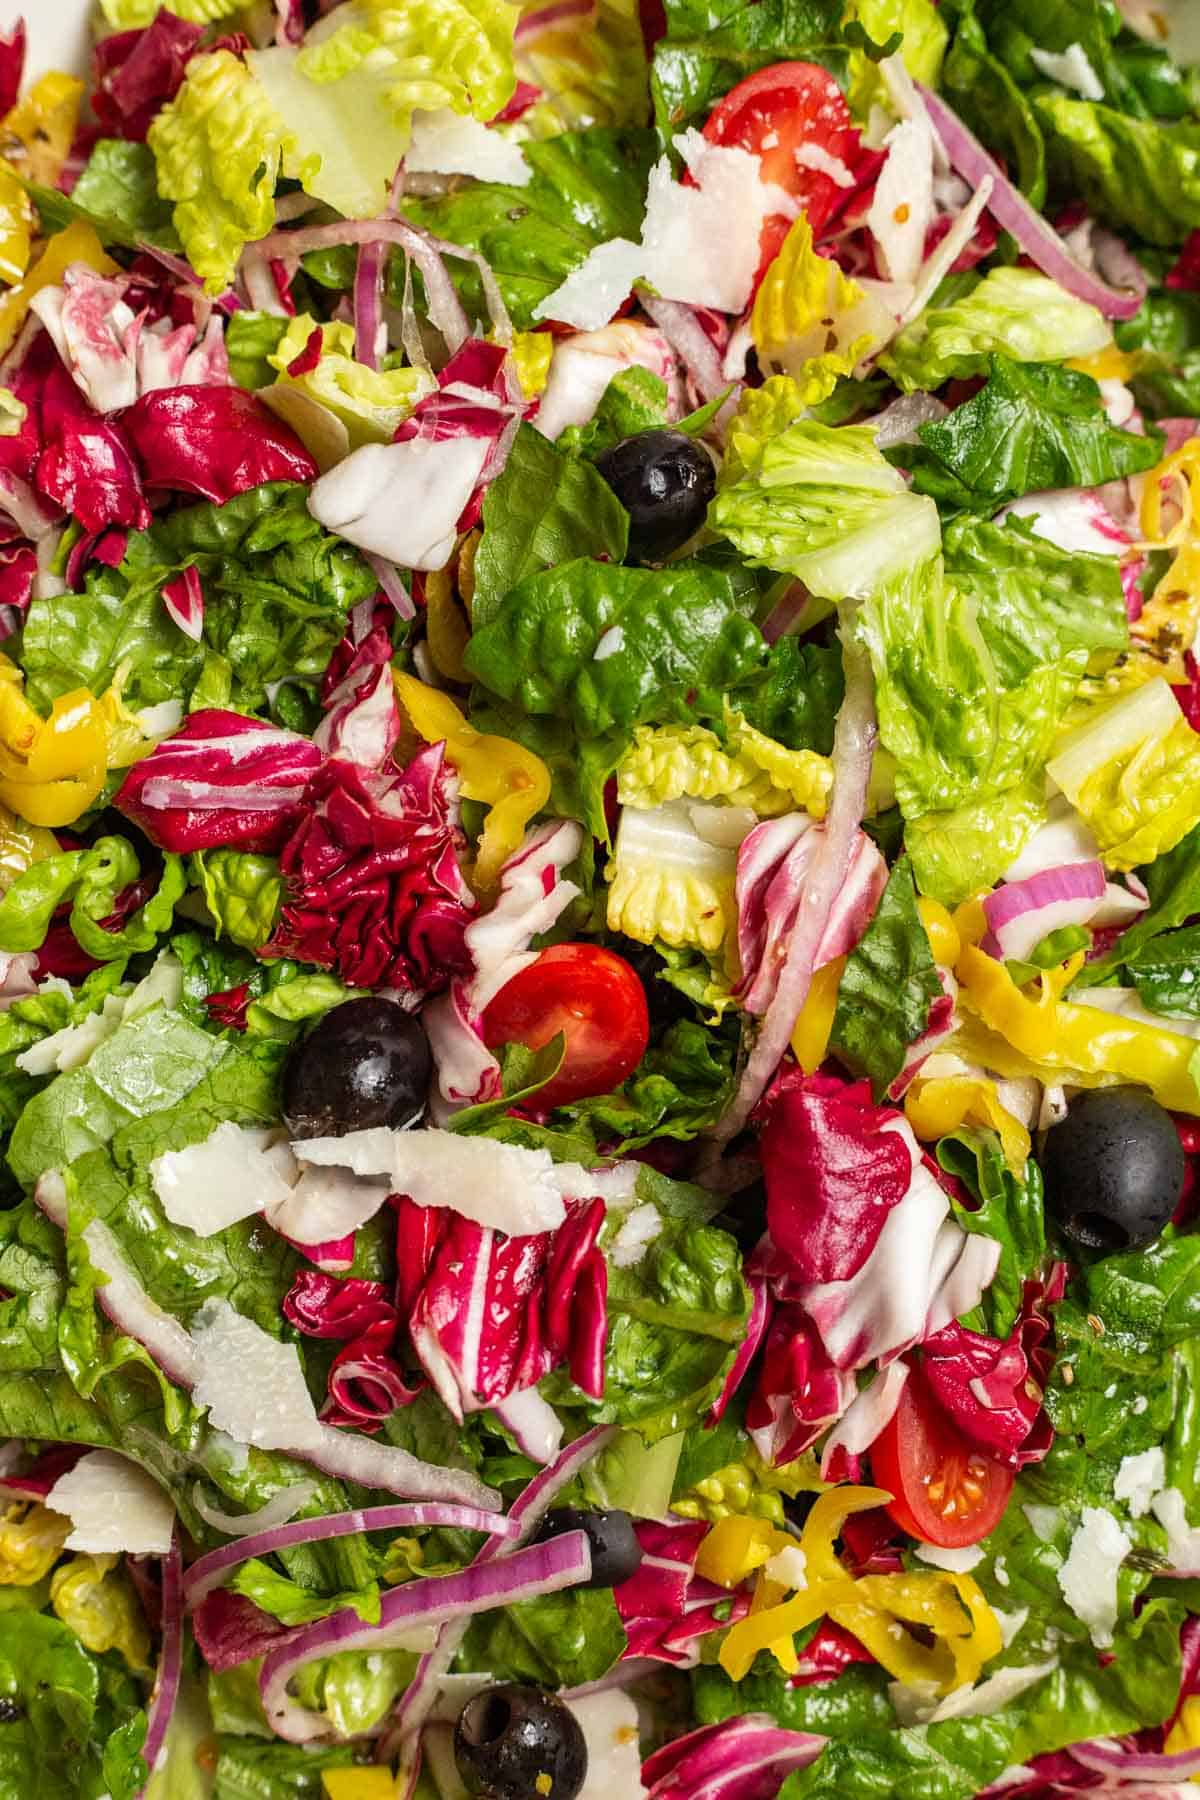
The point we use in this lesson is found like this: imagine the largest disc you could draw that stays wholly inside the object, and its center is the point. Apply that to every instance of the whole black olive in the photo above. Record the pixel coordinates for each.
(664, 480)
(616, 1553)
(1113, 1169)
(520, 1743)
(365, 1063)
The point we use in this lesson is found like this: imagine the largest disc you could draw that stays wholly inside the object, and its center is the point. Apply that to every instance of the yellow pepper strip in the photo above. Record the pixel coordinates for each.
(502, 775)
(468, 550)
(97, 1600)
(78, 243)
(736, 1546)
(531, 354)
(359, 1784)
(21, 845)
(1169, 620)
(446, 626)
(31, 1542)
(1109, 364)
(1185, 1732)
(16, 227)
(52, 775)
(1052, 1037)
(810, 1039)
(941, 931)
(36, 136)
(934, 1108)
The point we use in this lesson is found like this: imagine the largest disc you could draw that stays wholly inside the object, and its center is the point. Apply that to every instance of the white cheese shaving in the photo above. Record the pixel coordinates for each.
(450, 143)
(1043, 1521)
(917, 1704)
(789, 1567)
(1183, 1540)
(902, 209)
(1139, 1479)
(498, 1185)
(252, 1385)
(71, 1047)
(1010, 1623)
(115, 1508)
(815, 156)
(209, 1186)
(609, 1723)
(958, 1562)
(698, 244)
(401, 501)
(1071, 68)
(638, 1231)
(1088, 1578)
(324, 1205)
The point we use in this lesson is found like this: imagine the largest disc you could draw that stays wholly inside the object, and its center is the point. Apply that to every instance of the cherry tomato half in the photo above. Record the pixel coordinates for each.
(946, 1492)
(594, 998)
(773, 114)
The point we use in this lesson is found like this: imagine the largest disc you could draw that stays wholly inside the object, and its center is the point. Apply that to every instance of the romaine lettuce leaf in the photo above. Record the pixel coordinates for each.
(545, 508)
(250, 339)
(587, 187)
(591, 72)
(117, 194)
(1135, 172)
(923, 36)
(956, 853)
(995, 106)
(680, 1088)
(560, 1640)
(1033, 426)
(634, 400)
(810, 321)
(1132, 769)
(133, 15)
(1009, 1209)
(1173, 883)
(672, 762)
(77, 1721)
(710, 46)
(887, 986)
(1018, 313)
(370, 403)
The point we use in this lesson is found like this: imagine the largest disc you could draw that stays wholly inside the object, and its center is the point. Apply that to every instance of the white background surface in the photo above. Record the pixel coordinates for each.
(57, 32)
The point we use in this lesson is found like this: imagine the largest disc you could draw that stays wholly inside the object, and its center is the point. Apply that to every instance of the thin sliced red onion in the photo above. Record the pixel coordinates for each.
(527, 1574)
(210, 1571)
(1117, 264)
(853, 751)
(547, 17)
(1021, 913)
(445, 308)
(227, 302)
(690, 342)
(1110, 1757)
(900, 422)
(280, 1509)
(368, 303)
(170, 1662)
(1009, 207)
(403, 1737)
(388, 577)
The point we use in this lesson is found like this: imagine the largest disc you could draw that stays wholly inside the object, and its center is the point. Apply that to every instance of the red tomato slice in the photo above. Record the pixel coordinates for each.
(945, 1491)
(773, 114)
(594, 998)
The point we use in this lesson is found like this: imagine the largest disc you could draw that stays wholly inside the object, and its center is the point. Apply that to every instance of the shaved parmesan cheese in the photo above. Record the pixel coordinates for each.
(1183, 1540)
(637, 1232)
(1043, 1521)
(815, 156)
(1071, 68)
(918, 1704)
(1010, 1623)
(1088, 1578)
(324, 1205)
(232, 1175)
(252, 1385)
(450, 143)
(958, 1562)
(699, 244)
(609, 1723)
(1140, 1478)
(789, 1567)
(583, 365)
(114, 1507)
(516, 1191)
(71, 1047)
(401, 501)
(902, 209)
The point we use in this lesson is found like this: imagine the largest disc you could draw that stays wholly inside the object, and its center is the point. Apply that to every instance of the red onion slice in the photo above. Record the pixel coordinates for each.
(1009, 207)
(690, 342)
(211, 1570)
(853, 751)
(388, 577)
(1110, 1757)
(368, 303)
(1021, 913)
(170, 1662)
(280, 1509)
(436, 1600)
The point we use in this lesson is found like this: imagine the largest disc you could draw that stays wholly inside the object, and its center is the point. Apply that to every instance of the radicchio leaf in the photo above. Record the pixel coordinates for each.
(322, 1307)
(213, 441)
(136, 73)
(993, 1388)
(223, 779)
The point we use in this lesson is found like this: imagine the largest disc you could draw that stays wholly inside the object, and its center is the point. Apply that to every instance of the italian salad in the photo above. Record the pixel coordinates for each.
(600, 902)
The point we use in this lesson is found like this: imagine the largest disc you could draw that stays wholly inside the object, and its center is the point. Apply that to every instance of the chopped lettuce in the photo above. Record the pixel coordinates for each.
(671, 877)
(1014, 312)
(710, 45)
(672, 762)
(590, 72)
(370, 403)
(1172, 881)
(133, 15)
(218, 150)
(809, 321)
(559, 1640)
(1140, 174)
(818, 502)
(1132, 769)
(887, 987)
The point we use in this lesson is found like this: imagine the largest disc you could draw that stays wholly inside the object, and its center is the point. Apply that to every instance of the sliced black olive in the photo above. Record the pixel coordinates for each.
(1113, 1169)
(520, 1743)
(616, 1553)
(664, 480)
(365, 1063)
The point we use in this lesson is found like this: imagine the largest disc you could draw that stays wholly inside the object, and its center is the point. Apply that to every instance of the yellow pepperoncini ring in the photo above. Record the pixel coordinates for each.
(31, 1542)
(359, 1784)
(1008, 1031)
(810, 1039)
(735, 1547)
(21, 845)
(1185, 1732)
(447, 630)
(941, 930)
(36, 136)
(98, 1602)
(1109, 364)
(16, 227)
(51, 770)
(1169, 620)
(946, 1102)
(78, 243)
(511, 781)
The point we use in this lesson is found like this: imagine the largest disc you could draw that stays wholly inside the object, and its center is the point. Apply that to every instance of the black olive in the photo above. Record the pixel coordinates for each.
(616, 1553)
(520, 1743)
(1113, 1169)
(365, 1063)
(664, 480)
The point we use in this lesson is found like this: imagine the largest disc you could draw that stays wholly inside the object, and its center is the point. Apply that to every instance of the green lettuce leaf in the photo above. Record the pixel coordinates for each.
(634, 400)
(559, 1640)
(243, 892)
(545, 508)
(593, 77)
(1132, 769)
(888, 985)
(956, 853)
(76, 1725)
(984, 92)
(1167, 974)
(251, 339)
(798, 699)
(1008, 1209)
(587, 187)
(370, 403)
(709, 46)
(1014, 312)
(923, 36)
(680, 1088)
(1166, 331)
(133, 15)
(1033, 426)
(1173, 884)
(117, 194)
(1135, 172)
